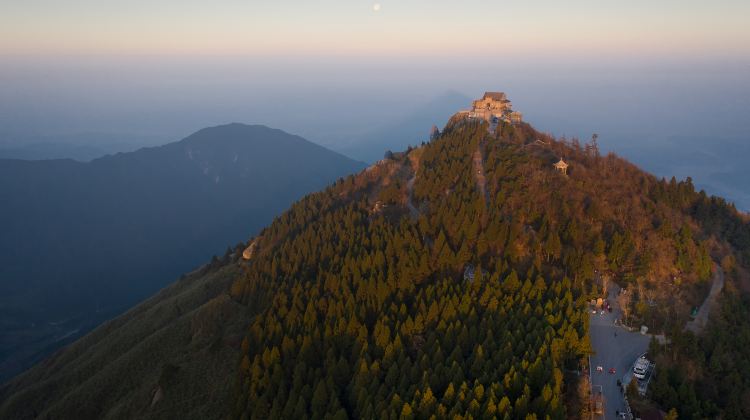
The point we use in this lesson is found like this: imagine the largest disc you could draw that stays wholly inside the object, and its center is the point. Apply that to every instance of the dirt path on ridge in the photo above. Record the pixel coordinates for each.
(479, 173)
(414, 159)
(410, 193)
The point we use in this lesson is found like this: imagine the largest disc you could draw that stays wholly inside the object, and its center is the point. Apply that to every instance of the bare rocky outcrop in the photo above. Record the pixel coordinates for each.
(248, 253)
(158, 396)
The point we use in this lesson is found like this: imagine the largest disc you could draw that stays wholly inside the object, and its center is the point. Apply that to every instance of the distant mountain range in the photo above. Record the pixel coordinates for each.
(81, 146)
(717, 164)
(43, 151)
(83, 241)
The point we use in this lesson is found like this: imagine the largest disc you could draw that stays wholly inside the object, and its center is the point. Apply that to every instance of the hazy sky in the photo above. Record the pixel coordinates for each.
(167, 67)
(355, 27)
(665, 82)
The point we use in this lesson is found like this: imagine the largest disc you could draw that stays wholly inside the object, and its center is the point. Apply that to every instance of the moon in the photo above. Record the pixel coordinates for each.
(376, 7)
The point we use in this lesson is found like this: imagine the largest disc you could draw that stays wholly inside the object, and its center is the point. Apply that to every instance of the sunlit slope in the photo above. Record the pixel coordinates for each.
(446, 280)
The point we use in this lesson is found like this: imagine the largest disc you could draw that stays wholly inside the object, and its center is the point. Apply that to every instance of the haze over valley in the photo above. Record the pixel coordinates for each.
(667, 114)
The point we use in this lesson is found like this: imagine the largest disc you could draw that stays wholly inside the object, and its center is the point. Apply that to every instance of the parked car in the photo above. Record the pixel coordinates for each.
(612, 371)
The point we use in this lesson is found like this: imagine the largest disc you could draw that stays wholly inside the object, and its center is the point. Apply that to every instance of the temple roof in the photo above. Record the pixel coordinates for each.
(561, 164)
(497, 96)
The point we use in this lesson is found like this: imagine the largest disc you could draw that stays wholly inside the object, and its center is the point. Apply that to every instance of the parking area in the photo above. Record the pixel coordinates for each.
(615, 351)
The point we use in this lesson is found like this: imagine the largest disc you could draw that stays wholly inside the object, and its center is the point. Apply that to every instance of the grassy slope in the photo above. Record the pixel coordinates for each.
(185, 339)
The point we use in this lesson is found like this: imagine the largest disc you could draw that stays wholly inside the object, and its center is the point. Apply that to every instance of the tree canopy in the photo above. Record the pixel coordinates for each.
(365, 312)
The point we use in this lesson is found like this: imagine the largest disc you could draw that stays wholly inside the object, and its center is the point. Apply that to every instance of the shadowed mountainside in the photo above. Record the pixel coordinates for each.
(176, 343)
(83, 241)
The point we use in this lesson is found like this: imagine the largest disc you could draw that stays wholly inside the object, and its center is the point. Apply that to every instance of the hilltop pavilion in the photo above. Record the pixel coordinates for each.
(561, 166)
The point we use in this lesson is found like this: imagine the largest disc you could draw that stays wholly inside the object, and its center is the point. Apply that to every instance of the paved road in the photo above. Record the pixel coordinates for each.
(618, 352)
(701, 319)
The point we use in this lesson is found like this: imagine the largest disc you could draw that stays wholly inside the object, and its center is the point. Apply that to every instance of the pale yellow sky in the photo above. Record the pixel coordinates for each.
(403, 27)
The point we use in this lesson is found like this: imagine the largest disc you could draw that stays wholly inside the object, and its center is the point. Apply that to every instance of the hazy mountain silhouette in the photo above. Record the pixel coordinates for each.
(83, 241)
(412, 129)
(81, 146)
(717, 164)
(42, 151)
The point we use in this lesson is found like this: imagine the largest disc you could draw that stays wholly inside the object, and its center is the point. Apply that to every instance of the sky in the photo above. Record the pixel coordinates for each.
(665, 83)
(401, 27)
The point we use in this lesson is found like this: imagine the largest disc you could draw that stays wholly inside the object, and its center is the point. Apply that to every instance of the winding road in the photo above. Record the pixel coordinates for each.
(699, 323)
(615, 347)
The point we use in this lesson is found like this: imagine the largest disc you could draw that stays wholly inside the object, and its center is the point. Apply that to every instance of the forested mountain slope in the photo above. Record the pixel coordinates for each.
(380, 290)
(448, 280)
(82, 242)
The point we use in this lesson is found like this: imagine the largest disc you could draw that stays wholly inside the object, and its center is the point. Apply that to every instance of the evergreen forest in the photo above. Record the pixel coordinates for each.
(451, 280)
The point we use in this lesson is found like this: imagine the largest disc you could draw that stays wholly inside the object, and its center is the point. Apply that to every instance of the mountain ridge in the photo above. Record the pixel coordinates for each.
(358, 300)
(116, 228)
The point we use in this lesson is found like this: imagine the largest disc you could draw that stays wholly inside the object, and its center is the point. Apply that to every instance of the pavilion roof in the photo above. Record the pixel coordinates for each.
(561, 164)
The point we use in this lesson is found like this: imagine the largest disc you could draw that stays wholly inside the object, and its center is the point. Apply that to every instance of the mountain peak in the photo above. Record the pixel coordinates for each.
(119, 227)
(449, 279)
